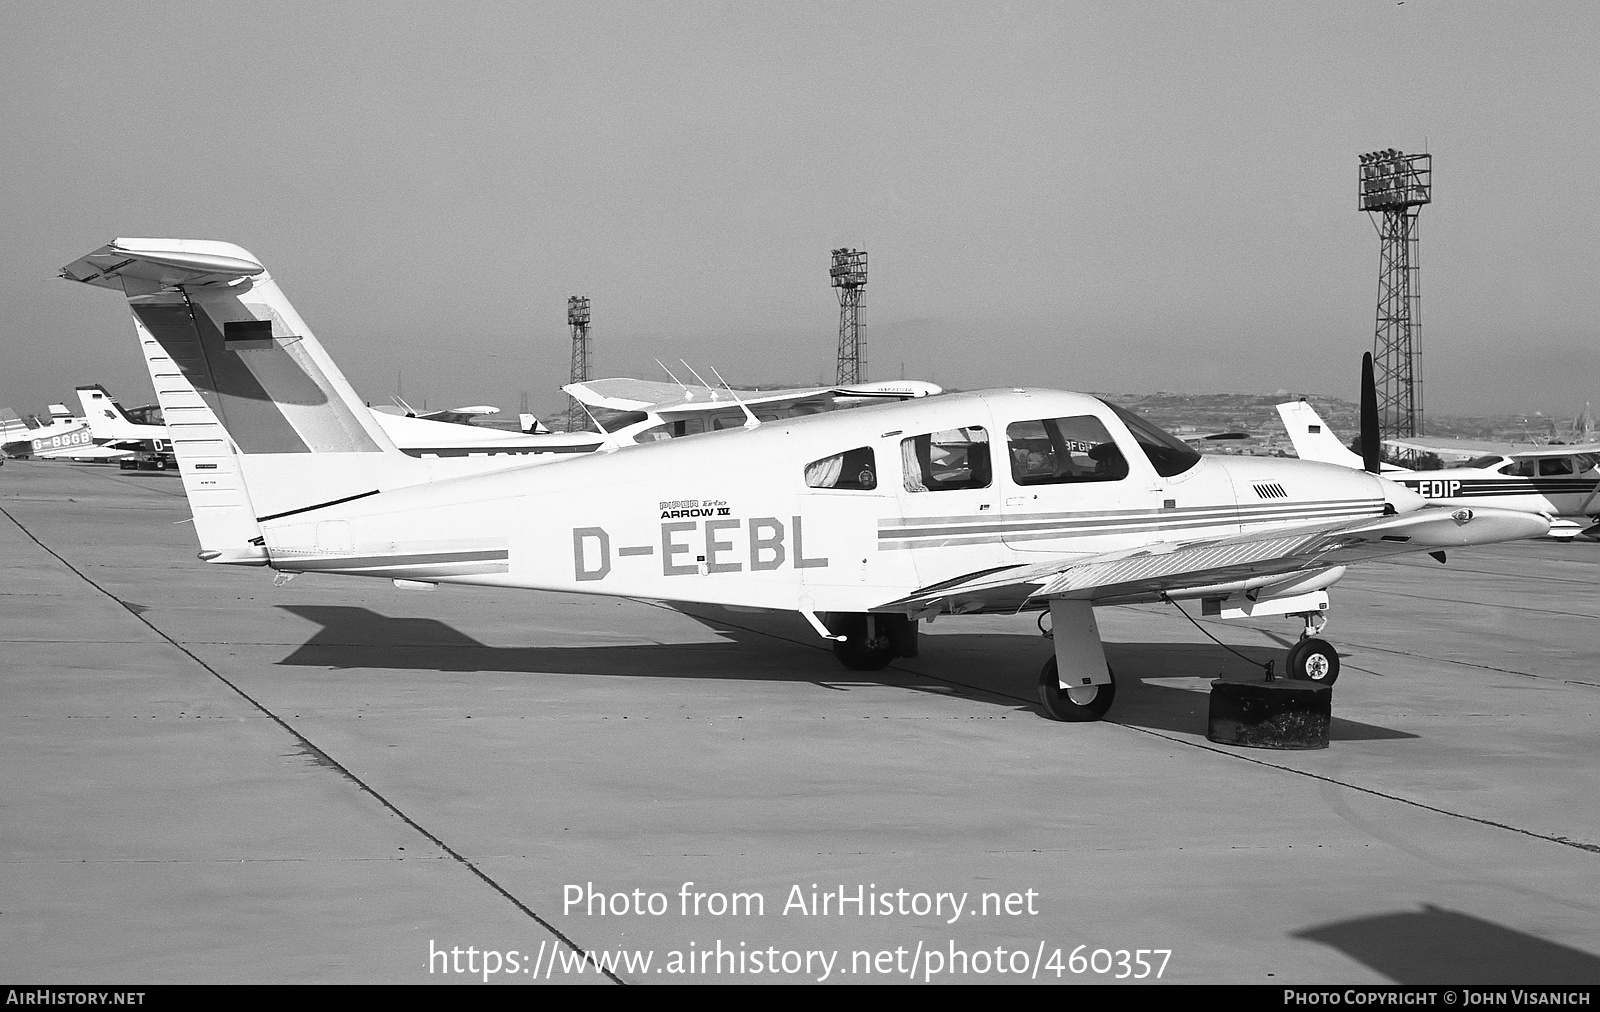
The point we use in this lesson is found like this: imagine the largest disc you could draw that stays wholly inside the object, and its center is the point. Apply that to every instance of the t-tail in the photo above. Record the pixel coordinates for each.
(262, 422)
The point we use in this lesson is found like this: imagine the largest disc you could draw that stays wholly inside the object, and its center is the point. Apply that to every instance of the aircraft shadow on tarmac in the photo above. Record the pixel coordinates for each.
(1437, 946)
(993, 668)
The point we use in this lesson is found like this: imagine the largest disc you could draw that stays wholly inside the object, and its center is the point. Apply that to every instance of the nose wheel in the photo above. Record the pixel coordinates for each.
(1313, 660)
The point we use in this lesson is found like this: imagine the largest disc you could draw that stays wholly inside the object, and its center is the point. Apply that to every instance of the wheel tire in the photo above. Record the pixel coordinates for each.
(853, 652)
(1059, 703)
(1314, 660)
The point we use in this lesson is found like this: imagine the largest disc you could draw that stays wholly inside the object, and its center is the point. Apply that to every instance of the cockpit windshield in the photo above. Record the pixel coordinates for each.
(1168, 454)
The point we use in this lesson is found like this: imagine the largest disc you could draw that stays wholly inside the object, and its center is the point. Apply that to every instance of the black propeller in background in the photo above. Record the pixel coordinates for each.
(1369, 417)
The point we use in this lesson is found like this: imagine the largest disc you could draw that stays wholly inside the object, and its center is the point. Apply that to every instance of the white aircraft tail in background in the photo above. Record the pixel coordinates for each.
(138, 437)
(1314, 440)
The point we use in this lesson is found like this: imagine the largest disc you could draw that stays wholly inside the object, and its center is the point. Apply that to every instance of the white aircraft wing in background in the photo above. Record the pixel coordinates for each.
(1468, 448)
(654, 410)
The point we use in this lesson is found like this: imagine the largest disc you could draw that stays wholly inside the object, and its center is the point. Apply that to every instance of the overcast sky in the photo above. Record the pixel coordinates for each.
(1110, 197)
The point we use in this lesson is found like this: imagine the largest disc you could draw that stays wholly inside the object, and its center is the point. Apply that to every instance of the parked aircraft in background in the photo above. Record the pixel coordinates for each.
(65, 437)
(455, 416)
(862, 521)
(1560, 481)
(139, 434)
(650, 411)
(424, 435)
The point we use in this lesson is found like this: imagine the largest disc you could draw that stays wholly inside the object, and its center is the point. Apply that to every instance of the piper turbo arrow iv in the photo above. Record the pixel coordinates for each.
(863, 521)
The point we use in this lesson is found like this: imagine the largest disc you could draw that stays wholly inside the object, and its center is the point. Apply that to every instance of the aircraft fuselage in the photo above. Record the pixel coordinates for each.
(838, 512)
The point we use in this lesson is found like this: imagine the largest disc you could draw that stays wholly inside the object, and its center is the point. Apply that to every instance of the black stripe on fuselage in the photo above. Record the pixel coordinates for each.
(318, 506)
(492, 451)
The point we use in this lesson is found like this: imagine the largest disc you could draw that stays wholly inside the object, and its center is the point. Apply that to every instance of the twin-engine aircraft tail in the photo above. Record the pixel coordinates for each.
(261, 420)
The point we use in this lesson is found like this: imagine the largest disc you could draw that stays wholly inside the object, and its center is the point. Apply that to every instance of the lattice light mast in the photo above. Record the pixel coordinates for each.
(1394, 186)
(578, 321)
(849, 275)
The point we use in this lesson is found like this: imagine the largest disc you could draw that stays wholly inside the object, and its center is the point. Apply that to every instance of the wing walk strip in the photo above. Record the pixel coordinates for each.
(1200, 559)
(924, 532)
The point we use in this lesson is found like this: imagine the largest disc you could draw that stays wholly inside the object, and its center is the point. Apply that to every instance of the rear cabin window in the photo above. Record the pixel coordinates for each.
(1555, 465)
(1055, 451)
(950, 459)
(855, 469)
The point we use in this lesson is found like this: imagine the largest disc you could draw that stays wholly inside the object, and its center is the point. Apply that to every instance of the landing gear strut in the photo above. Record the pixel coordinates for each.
(1079, 660)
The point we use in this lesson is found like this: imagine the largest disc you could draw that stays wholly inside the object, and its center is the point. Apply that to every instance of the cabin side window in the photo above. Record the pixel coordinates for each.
(855, 469)
(1519, 469)
(1055, 451)
(1555, 465)
(949, 459)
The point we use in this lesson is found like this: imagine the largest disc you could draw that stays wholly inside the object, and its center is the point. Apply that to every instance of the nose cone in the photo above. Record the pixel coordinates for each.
(1402, 499)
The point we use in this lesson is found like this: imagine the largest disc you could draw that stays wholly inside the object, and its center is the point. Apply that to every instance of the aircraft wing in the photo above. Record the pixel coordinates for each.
(624, 394)
(1479, 448)
(672, 399)
(1146, 573)
(459, 416)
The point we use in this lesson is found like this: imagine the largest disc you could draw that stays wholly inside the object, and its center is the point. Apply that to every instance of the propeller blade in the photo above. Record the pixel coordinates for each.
(1369, 417)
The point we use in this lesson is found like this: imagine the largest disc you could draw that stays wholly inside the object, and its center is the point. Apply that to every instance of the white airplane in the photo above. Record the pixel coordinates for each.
(138, 435)
(455, 416)
(651, 411)
(421, 435)
(862, 521)
(65, 437)
(1560, 481)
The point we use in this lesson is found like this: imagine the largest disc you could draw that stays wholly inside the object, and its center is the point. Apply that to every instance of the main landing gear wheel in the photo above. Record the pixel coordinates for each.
(1314, 660)
(858, 651)
(1077, 704)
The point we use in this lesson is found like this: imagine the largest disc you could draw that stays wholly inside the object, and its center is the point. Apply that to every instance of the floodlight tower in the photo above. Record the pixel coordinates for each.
(1393, 188)
(849, 275)
(578, 321)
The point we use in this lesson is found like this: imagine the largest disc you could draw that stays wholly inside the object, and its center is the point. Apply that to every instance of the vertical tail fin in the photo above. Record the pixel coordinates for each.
(262, 422)
(1312, 438)
(107, 420)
